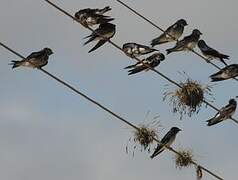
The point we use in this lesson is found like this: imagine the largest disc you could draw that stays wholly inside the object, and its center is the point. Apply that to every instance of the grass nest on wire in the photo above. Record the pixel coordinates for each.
(144, 136)
(184, 160)
(189, 98)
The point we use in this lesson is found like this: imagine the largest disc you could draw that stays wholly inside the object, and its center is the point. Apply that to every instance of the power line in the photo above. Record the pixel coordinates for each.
(105, 108)
(137, 59)
(156, 26)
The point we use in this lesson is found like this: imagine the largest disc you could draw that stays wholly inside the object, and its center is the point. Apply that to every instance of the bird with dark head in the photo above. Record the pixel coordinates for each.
(103, 33)
(91, 17)
(34, 60)
(136, 50)
(224, 113)
(228, 72)
(172, 33)
(145, 65)
(211, 53)
(187, 43)
(167, 140)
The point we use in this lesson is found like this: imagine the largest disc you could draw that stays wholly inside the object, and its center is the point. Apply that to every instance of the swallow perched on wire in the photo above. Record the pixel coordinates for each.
(34, 60)
(224, 113)
(211, 53)
(91, 17)
(103, 33)
(136, 50)
(167, 140)
(96, 10)
(151, 61)
(187, 43)
(228, 72)
(173, 33)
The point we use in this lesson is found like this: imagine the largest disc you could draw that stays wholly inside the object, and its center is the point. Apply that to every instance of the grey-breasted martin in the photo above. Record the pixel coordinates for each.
(34, 60)
(187, 43)
(173, 33)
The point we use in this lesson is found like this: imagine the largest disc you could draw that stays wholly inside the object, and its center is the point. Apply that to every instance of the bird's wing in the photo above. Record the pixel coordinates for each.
(35, 55)
(99, 44)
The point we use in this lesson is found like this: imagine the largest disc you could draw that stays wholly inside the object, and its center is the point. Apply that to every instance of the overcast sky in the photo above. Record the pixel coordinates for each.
(47, 132)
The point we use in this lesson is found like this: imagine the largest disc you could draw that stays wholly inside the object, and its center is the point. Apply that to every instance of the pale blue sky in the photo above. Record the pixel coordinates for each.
(48, 132)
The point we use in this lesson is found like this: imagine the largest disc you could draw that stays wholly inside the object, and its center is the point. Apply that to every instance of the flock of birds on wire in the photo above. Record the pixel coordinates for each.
(106, 30)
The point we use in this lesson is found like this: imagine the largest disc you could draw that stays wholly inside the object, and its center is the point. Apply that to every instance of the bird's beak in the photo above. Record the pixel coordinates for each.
(236, 96)
(180, 129)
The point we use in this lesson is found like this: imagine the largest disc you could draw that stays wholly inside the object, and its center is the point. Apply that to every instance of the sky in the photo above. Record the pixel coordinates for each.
(48, 132)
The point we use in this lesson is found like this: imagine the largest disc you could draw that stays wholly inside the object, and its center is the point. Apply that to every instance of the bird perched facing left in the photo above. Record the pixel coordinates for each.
(224, 113)
(228, 72)
(173, 33)
(91, 17)
(136, 50)
(211, 53)
(187, 43)
(167, 140)
(151, 61)
(34, 60)
(103, 33)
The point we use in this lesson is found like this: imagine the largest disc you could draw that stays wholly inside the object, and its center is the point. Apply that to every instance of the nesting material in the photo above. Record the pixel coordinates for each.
(143, 138)
(184, 160)
(199, 173)
(189, 98)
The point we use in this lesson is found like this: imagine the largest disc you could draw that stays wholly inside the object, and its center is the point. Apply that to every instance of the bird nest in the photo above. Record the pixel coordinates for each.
(184, 159)
(144, 136)
(189, 98)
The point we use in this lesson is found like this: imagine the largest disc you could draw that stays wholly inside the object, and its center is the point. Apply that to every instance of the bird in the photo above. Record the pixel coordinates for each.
(187, 43)
(136, 50)
(91, 17)
(228, 72)
(96, 10)
(34, 60)
(172, 33)
(211, 53)
(103, 33)
(167, 140)
(151, 61)
(224, 113)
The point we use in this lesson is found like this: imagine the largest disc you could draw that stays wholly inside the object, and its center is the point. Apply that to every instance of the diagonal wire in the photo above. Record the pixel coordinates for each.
(106, 109)
(156, 26)
(137, 59)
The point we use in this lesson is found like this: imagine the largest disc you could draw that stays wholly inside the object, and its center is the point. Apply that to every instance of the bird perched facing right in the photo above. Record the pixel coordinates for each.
(91, 17)
(211, 53)
(228, 72)
(103, 33)
(34, 60)
(187, 43)
(151, 61)
(167, 140)
(173, 33)
(224, 113)
(136, 50)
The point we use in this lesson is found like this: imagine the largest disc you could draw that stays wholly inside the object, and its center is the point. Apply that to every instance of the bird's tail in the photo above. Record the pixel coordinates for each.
(223, 56)
(216, 77)
(106, 9)
(106, 20)
(99, 44)
(169, 51)
(156, 153)
(136, 70)
(15, 64)
(131, 66)
(212, 121)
